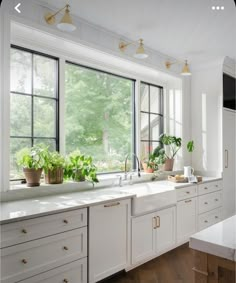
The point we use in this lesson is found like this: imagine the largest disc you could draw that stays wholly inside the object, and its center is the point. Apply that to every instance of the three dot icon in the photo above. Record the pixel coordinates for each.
(217, 8)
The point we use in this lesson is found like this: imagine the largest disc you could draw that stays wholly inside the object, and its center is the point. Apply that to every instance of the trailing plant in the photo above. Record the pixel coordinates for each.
(31, 158)
(80, 167)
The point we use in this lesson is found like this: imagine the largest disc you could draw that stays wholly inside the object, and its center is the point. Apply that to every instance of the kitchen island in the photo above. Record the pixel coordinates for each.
(214, 251)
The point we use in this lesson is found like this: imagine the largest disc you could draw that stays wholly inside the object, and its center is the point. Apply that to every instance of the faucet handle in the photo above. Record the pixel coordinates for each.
(120, 179)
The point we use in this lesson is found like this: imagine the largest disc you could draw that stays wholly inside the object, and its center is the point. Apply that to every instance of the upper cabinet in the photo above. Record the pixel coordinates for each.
(229, 95)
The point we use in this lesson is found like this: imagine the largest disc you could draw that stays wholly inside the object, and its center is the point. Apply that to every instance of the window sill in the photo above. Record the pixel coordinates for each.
(21, 191)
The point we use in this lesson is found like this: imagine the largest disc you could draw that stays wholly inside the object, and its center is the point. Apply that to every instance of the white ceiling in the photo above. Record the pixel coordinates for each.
(180, 28)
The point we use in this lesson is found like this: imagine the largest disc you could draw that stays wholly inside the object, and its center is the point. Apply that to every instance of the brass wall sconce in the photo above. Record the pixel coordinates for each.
(185, 71)
(140, 51)
(65, 24)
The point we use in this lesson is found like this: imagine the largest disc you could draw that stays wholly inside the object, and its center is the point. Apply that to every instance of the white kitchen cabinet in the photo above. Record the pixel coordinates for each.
(186, 219)
(165, 229)
(229, 168)
(143, 238)
(109, 239)
(153, 234)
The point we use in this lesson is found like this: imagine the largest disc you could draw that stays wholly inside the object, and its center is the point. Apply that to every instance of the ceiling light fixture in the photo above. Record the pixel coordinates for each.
(65, 24)
(140, 51)
(185, 71)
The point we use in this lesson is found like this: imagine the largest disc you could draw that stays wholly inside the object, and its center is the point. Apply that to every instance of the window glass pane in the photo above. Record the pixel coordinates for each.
(144, 126)
(44, 117)
(144, 150)
(155, 126)
(98, 116)
(17, 144)
(21, 70)
(51, 143)
(20, 115)
(44, 76)
(144, 97)
(155, 100)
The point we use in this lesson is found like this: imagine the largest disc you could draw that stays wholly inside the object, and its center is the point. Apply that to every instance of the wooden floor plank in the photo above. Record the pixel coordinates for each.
(172, 267)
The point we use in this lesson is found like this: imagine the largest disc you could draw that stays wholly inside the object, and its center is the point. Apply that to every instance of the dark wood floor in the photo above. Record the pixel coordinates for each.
(172, 267)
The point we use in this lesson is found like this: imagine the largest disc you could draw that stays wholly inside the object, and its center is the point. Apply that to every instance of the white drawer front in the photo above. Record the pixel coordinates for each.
(31, 229)
(209, 218)
(187, 192)
(75, 272)
(209, 202)
(209, 187)
(31, 258)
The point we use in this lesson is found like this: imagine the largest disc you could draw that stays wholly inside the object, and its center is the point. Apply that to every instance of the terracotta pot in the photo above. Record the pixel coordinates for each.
(169, 163)
(78, 176)
(146, 168)
(32, 176)
(54, 176)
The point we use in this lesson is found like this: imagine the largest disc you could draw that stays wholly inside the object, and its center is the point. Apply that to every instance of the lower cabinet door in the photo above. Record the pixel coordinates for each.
(165, 229)
(143, 238)
(186, 219)
(75, 272)
(109, 239)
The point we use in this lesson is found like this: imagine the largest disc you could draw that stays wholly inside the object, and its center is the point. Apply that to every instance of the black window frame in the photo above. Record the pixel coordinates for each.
(149, 140)
(32, 95)
(133, 109)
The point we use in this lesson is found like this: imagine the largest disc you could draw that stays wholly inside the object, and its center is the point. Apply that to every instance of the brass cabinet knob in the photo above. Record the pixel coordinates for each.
(24, 261)
(216, 199)
(206, 221)
(24, 231)
(65, 281)
(65, 248)
(65, 221)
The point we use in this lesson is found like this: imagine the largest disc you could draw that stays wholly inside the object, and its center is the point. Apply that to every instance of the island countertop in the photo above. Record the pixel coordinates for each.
(218, 240)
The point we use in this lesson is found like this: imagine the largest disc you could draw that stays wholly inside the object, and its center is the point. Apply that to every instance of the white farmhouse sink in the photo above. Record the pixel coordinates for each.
(151, 196)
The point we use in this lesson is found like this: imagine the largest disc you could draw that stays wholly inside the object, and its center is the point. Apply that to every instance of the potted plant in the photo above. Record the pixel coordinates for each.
(53, 167)
(80, 168)
(155, 160)
(172, 145)
(32, 160)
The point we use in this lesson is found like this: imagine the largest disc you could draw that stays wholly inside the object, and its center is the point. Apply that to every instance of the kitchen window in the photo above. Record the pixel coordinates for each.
(33, 103)
(151, 117)
(99, 116)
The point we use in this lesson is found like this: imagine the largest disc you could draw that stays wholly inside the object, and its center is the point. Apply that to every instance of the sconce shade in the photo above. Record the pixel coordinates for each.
(66, 23)
(186, 70)
(140, 52)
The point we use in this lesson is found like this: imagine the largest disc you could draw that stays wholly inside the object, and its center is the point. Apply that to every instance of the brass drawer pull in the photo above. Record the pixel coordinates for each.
(205, 202)
(65, 221)
(216, 199)
(216, 217)
(155, 222)
(206, 221)
(24, 261)
(65, 281)
(188, 201)
(187, 192)
(65, 248)
(24, 231)
(206, 188)
(112, 204)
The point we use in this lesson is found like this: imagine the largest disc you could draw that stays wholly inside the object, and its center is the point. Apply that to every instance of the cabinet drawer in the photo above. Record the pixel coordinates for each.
(75, 272)
(186, 192)
(24, 260)
(31, 229)
(209, 202)
(209, 218)
(209, 187)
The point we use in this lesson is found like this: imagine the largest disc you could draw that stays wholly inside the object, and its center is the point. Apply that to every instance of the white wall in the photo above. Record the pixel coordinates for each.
(206, 115)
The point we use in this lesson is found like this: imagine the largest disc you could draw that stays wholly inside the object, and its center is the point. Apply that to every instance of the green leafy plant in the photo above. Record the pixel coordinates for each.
(32, 158)
(53, 160)
(190, 146)
(173, 143)
(80, 167)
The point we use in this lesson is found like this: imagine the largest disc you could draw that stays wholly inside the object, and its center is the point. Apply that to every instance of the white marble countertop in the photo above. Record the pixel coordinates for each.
(23, 209)
(218, 240)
